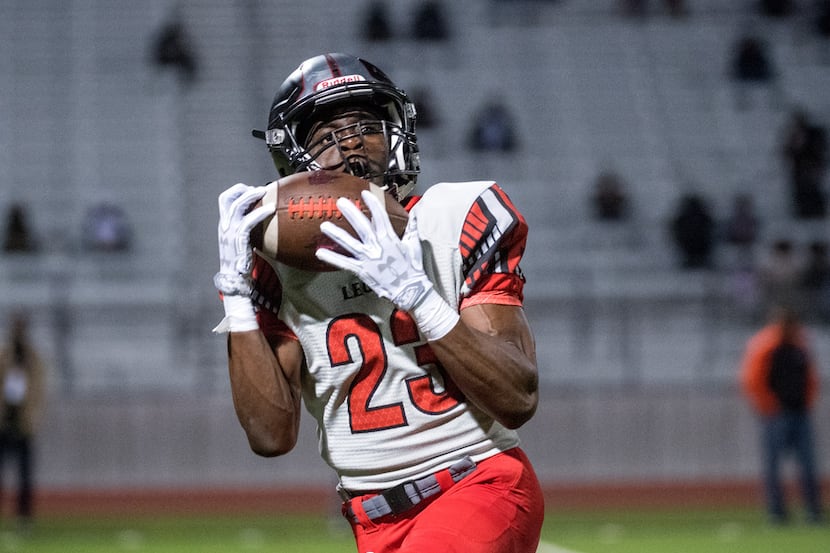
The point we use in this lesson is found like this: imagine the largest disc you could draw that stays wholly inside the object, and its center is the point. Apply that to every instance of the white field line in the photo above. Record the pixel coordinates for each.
(545, 547)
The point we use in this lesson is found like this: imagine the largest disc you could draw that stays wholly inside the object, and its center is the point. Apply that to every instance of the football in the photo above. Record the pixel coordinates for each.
(304, 200)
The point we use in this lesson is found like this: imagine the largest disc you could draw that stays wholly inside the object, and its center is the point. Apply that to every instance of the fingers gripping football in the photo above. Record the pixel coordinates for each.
(391, 266)
(236, 219)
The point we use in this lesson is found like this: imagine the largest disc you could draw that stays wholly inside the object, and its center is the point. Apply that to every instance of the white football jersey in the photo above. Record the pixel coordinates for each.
(384, 409)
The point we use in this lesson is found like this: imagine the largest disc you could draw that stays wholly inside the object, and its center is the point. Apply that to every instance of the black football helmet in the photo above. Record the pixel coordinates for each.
(327, 83)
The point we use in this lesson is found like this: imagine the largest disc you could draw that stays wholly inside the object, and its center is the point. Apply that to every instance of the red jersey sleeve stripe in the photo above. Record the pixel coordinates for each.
(493, 238)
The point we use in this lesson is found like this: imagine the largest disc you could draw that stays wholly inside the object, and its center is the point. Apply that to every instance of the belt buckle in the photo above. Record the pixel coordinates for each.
(399, 499)
(406, 495)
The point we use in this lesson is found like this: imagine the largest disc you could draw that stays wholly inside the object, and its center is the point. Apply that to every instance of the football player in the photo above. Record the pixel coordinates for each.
(417, 383)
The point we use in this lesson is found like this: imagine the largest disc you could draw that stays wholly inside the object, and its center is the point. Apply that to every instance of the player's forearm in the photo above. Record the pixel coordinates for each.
(495, 374)
(267, 403)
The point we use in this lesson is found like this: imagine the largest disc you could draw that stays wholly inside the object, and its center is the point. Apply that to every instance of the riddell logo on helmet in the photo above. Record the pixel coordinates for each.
(336, 81)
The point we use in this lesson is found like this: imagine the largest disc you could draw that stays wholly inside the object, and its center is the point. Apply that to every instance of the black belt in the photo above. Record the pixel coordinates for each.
(406, 495)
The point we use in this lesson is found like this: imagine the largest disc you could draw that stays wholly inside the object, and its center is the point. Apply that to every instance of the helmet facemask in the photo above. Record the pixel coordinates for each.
(350, 160)
(371, 148)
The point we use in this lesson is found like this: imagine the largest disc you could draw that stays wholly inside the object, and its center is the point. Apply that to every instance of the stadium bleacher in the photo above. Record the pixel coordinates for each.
(88, 117)
(91, 118)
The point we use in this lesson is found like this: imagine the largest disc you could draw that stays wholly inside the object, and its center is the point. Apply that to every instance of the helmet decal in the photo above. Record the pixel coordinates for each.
(322, 85)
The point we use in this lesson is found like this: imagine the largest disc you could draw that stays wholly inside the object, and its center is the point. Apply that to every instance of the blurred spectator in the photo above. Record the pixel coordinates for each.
(19, 237)
(493, 129)
(172, 48)
(429, 22)
(21, 405)
(693, 232)
(822, 18)
(609, 199)
(776, 8)
(805, 152)
(752, 68)
(635, 8)
(641, 8)
(376, 26)
(779, 377)
(106, 228)
(779, 275)
(677, 8)
(740, 231)
(427, 114)
(741, 228)
(815, 281)
(751, 60)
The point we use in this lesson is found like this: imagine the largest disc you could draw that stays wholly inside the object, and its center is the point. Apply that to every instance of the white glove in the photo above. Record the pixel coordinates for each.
(236, 256)
(390, 266)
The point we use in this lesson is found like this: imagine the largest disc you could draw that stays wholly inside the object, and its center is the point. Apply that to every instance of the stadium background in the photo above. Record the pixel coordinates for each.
(637, 358)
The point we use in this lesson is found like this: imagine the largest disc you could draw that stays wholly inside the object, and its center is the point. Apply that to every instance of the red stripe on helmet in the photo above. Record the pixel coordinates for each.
(335, 69)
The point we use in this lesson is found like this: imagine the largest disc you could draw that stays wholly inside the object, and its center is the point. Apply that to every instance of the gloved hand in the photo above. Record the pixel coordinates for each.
(236, 256)
(390, 266)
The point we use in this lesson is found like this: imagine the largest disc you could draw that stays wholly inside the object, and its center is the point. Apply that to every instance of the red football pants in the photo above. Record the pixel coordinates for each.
(498, 508)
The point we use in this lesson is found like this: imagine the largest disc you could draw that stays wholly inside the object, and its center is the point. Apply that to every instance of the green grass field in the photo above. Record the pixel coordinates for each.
(677, 531)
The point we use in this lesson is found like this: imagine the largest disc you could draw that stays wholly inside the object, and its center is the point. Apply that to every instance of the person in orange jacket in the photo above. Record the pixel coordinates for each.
(779, 377)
